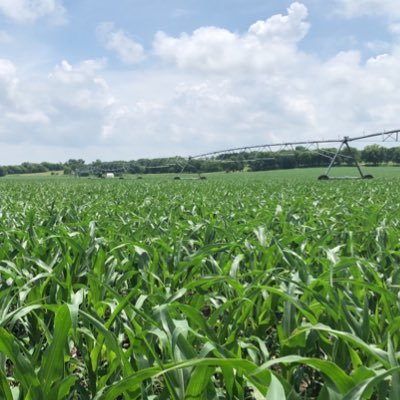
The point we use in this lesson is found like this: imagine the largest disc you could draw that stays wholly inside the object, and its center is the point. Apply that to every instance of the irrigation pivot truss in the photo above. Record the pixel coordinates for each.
(386, 136)
(181, 164)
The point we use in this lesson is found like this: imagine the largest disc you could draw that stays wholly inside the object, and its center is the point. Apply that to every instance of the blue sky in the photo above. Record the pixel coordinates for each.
(127, 79)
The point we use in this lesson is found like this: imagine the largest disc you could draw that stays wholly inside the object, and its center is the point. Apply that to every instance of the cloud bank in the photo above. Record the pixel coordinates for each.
(203, 90)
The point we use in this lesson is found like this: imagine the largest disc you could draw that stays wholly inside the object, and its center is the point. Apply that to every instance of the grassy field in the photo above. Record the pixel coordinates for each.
(241, 286)
(36, 175)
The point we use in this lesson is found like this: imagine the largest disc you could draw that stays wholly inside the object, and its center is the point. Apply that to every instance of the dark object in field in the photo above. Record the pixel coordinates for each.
(206, 310)
(368, 176)
(323, 177)
(177, 178)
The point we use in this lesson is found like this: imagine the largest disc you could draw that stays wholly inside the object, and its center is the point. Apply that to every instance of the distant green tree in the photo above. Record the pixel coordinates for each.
(15, 169)
(264, 161)
(303, 157)
(287, 161)
(395, 155)
(75, 164)
(300, 148)
(3, 171)
(67, 171)
(349, 154)
(373, 154)
(52, 166)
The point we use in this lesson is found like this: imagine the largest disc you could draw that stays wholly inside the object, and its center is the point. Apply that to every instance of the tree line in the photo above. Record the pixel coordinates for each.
(299, 157)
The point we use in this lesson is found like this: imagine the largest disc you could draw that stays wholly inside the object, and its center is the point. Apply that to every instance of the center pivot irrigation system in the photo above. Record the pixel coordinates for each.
(386, 136)
(223, 156)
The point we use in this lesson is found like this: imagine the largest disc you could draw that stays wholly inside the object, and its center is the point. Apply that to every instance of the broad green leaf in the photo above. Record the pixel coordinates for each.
(275, 390)
(199, 380)
(23, 369)
(338, 377)
(52, 368)
(358, 391)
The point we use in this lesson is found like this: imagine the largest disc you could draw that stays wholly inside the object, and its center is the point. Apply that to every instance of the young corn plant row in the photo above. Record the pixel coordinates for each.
(217, 289)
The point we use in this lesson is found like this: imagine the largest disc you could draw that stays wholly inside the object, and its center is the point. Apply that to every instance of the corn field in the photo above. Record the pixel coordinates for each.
(229, 288)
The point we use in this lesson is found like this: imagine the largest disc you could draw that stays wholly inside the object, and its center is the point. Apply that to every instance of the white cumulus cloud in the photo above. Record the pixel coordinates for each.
(68, 108)
(128, 50)
(267, 45)
(16, 105)
(79, 100)
(291, 27)
(31, 10)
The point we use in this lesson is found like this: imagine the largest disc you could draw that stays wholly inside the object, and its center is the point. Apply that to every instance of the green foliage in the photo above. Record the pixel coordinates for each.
(243, 286)
(67, 171)
(374, 154)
